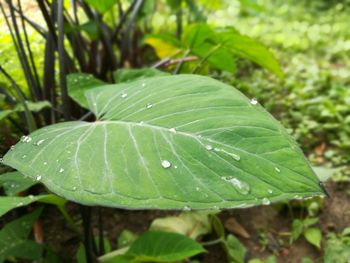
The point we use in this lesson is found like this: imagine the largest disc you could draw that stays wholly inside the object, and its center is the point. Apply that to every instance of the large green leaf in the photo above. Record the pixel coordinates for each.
(79, 83)
(174, 142)
(14, 242)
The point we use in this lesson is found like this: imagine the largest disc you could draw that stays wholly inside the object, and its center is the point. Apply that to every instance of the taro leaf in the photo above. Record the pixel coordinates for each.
(154, 246)
(10, 202)
(163, 44)
(79, 83)
(101, 6)
(192, 224)
(173, 142)
(126, 75)
(15, 182)
(32, 106)
(313, 236)
(14, 242)
(249, 48)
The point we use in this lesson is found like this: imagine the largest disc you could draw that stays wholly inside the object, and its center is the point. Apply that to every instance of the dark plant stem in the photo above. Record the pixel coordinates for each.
(88, 238)
(100, 232)
(62, 64)
(179, 23)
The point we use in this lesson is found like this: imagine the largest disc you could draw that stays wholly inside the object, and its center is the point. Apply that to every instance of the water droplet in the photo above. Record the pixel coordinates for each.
(45, 163)
(61, 170)
(241, 187)
(197, 188)
(38, 177)
(20, 204)
(253, 101)
(124, 95)
(13, 185)
(12, 147)
(277, 169)
(74, 188)
(173, 130)
(233, 155)
(26, 139)
(186, 208)
(175, 166)
(141, 122)
(209, 147)
(166, 164)
(24, 156)
(149, 105)
(270, 191)
(1, 160)
(31, 196)
(266, 201)
(143, 84)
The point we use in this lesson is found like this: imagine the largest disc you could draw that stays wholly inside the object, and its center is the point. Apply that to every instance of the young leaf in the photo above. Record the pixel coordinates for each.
(236, 251)
(313, 236)
(192, 224)
(14, 242)
(173, 142)
(155, 246)
(297, 230)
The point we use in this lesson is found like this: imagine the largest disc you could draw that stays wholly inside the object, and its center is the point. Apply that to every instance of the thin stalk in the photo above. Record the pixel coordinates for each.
(23, 55)
(29, 50)
(179, 65)
(29, 116)
(61, 61)
(205, 58)
(179, 23)
(213, 242)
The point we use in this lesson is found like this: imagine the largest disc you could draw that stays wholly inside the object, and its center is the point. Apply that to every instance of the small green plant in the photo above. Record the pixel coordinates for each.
(305, 227)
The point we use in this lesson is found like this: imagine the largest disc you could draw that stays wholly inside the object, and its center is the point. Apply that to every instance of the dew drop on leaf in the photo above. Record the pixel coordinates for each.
(266, 201)
(186, 208)
(209, 147)
(38, 177)
(270, 191)
(39, 142)
(277, 169)
(240, 186)
(173, 130)
(148, 106)
(166, 164)
(61, 170)
(124, 95)
(253, 101)
(24, 156)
